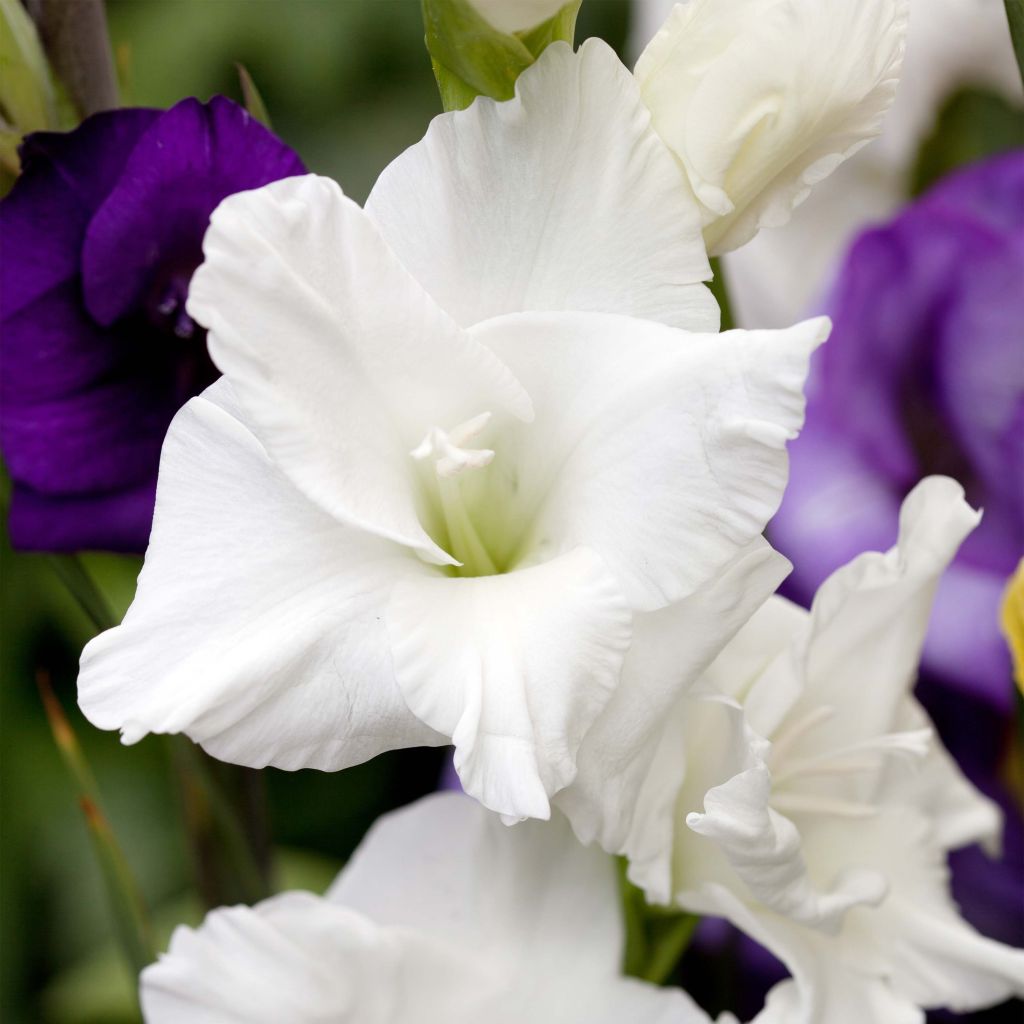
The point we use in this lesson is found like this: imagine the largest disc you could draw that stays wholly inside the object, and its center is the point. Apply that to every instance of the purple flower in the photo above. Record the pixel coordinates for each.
(101, 234)
(924, 373)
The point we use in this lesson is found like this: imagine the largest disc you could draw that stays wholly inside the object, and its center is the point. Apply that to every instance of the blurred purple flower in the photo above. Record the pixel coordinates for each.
(924, 373)
(101, 234)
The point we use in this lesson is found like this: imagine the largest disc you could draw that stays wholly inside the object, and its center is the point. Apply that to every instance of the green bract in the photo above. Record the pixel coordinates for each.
(472, 58)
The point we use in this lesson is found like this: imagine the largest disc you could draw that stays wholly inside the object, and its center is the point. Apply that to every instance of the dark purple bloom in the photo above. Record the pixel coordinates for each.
(101, 234)
(924, 373)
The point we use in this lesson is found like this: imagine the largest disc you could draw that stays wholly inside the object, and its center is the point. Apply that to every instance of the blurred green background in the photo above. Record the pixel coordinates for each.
(349, 86)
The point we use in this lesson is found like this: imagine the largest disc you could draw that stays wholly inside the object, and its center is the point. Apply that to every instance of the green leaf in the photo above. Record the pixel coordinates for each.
(1015, 16)
(973, 124)
(130, 914)
(560, 28)
(251, 97)
(26, 91)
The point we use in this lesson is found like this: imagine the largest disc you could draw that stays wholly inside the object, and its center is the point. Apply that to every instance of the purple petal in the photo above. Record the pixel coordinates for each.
(152, 223)
(836, 506)
(114, 521)
(65, 177)
(924, 374)
(75, 414)
(964, 643)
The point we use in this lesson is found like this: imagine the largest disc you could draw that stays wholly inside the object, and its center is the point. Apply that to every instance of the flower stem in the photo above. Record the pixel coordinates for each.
(720, 289)
(656, 937)
(76, 40)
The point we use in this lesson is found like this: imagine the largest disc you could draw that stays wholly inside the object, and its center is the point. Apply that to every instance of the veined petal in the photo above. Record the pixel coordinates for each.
(959, 813)
(515, 668)
(916, 937)
(762, 99)
(845, 996)
(257, 626)
(529, 898)
(560, 199)
(443, 916)
(764, 849)
(525, 895)
(624, 793)
(304, 960)
(663, 451)
(341, 360)
(863, 638)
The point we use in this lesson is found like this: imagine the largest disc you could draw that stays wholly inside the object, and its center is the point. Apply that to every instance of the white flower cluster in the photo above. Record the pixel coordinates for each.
(482, 471)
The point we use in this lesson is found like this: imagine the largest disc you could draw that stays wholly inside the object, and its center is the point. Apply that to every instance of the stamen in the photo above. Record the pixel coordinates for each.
(448, 448)
(806, 803)
(815, 717)
(857, 757)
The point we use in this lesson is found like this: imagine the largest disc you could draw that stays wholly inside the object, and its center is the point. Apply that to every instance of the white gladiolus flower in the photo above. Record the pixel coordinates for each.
(518, 15)
(803, 795)
(442, 917)
(762, 99)
(426, 503)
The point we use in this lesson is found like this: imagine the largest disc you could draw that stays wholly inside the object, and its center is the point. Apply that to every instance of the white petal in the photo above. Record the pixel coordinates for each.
(341, 360)
(917, 937)
(561, 199)
(443, 916)
(636, 1002)
(517, 15)
(838, 996)
(624, 793)
(755, 651)
(257, 626)
(525, 895)
(764, 849)
(869, 618)
(762, 99)
(304, 960)
(663, 451)
(514, 668)
(960, 815)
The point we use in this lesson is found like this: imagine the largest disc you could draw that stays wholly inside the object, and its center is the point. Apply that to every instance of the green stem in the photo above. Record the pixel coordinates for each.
(656, 937)
(720, 290)
(1015, 16)
(76, 40)
(669, 939)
